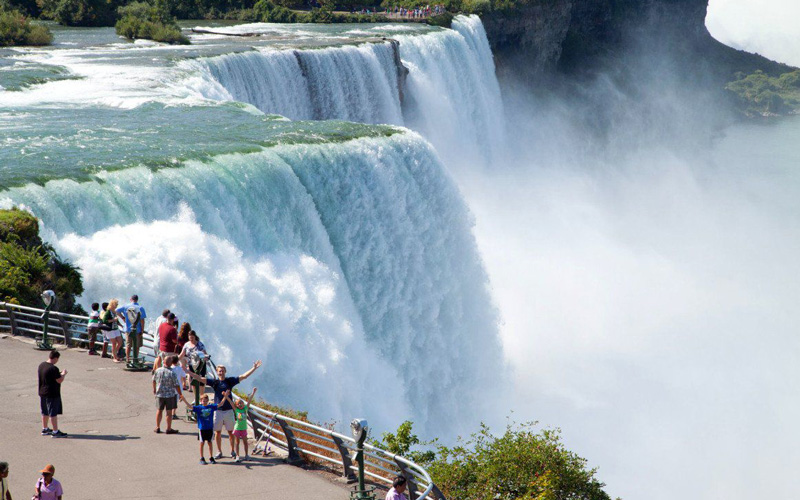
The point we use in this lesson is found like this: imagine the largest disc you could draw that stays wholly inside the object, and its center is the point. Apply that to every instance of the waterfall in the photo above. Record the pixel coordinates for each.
(354, 83)
(350, 268)
(451, 79)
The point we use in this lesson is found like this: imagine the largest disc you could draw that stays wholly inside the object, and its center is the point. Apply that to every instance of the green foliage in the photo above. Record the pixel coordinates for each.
(520, 464)
(28, 266)
(442, 20)
(759, 93)
(401, 443)
(289, 412)
(149, 21)
(16, 29)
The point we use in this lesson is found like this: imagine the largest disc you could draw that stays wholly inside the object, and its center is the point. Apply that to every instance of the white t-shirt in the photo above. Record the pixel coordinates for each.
(159, 321)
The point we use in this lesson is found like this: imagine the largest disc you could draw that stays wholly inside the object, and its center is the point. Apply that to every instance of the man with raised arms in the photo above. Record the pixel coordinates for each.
(224, 414)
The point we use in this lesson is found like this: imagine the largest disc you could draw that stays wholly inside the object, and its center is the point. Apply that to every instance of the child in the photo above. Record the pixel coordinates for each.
(240, 409)
(179, 372)
(93, 327)
(204, 413)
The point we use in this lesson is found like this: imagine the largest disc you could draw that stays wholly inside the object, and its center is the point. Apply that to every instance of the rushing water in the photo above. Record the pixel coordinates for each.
(340, 252)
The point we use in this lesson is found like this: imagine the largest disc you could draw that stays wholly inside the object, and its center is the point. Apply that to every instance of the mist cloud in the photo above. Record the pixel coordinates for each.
(768, 27)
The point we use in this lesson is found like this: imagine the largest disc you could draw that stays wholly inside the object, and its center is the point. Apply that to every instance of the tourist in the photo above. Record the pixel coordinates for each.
(93, 327)
(50, 379)
(183, 335)
(166, 390)
(47, 487)
(168, 343)
(224, 415)
(204, 414)
(109, 321)
(397, 490)
(133, 331)
(4, 493)
(157, 333)
(240, 409)
(193, 356)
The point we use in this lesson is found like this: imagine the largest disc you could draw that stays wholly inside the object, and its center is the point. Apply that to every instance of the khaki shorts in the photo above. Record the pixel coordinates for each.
(223, 418)
(170, 403)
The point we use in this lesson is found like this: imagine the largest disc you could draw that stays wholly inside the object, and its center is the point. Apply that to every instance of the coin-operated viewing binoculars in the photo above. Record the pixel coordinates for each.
(49, 299)
(360, 429)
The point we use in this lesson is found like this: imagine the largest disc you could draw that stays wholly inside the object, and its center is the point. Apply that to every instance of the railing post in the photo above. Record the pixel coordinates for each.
(437, 493)
(412, 484)
(65, 328)
(347, 463)
(291, 442)
(12, 318)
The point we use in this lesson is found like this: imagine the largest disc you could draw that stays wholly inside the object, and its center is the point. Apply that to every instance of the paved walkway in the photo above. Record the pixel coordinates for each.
(112, 451)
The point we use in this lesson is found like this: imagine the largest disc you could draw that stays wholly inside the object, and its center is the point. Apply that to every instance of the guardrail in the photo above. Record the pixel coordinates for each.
(303, 441)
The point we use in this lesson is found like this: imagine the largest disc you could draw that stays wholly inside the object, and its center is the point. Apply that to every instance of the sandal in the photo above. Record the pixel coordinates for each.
(171, 431)
(157, 431)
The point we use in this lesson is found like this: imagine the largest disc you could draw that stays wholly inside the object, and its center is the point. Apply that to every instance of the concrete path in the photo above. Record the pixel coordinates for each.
(112, 451)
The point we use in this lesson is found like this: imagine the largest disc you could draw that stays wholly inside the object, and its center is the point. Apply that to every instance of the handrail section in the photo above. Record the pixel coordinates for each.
(302, 441)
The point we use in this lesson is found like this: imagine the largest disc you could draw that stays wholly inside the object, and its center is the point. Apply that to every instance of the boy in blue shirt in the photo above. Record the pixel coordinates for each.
(205, 425)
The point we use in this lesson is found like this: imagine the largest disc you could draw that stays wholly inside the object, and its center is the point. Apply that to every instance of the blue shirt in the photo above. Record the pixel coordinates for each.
(124, 311)
(205, 416)
(221, 386)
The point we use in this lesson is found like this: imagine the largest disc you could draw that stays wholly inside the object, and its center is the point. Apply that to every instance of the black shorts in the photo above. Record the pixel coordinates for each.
(205, 434)
(170, 403)
(51, 407)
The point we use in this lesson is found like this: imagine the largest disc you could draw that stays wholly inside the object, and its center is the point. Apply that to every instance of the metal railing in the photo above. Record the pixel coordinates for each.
(301, 440)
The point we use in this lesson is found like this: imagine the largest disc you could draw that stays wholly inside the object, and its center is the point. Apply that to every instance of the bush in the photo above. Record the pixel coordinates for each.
(28, 266)
(16, 29)
(759, 93)
(521, 464)
(152, 22)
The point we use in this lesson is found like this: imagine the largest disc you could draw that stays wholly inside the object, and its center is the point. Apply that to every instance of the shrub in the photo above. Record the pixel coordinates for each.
(28, 266)
(16, 29)
(147, 21)
(759, 93)
(520, 464)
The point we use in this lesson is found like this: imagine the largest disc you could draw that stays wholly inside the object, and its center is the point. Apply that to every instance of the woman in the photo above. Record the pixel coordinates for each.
(194, 355)
(109, 321)
(47, 487)
(183, 335)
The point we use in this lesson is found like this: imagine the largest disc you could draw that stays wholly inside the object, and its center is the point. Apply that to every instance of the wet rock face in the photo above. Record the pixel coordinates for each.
(534, 34)
(545, 35)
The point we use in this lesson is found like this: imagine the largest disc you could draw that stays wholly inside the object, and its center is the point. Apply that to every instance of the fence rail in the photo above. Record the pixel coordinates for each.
(303, 441)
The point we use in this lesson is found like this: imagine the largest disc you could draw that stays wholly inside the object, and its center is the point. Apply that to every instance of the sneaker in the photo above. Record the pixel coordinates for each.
(233, 454)
(212, 460)
(203, 461)
(218, 455)
(92, 353)
(237, 459)
(59, 434)
(246, 457)
(47, 431)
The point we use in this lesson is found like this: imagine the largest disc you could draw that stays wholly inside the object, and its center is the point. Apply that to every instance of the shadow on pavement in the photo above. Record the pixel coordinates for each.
(252, 462)
(103, 437)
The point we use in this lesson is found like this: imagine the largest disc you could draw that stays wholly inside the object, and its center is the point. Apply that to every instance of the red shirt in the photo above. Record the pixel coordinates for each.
(169, 337)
